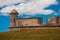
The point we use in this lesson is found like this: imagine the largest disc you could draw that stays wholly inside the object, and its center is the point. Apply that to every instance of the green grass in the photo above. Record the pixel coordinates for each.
(34, 34)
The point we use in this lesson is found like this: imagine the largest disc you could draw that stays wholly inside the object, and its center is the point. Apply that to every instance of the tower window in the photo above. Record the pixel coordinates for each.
(14, 19)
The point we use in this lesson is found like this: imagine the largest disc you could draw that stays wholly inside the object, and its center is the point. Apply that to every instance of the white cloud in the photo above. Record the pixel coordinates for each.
(30, 7)
(9, 2)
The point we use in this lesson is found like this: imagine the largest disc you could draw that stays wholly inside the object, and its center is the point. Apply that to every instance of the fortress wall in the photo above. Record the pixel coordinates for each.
(59, 21)
(51, 21)
(54, 21)
(28, 22)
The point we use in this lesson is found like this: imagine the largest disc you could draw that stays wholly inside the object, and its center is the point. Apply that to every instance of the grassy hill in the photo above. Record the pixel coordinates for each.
(34, 34)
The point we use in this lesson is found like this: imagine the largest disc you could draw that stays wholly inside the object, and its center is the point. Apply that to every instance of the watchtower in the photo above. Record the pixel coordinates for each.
(13, 18)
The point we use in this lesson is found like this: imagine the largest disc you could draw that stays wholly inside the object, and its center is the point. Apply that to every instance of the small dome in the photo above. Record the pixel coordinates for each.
(13, 11)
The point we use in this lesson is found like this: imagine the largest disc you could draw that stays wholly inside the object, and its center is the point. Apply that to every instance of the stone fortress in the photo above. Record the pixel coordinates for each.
(17, 23)
(54, 21)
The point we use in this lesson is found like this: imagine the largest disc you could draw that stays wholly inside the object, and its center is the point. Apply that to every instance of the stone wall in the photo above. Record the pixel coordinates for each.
(53, 21)
(59, 21)
(14, 29)
(28, 22)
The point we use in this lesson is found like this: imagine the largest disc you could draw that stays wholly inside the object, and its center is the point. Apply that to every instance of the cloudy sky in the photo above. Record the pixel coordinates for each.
(28, 9)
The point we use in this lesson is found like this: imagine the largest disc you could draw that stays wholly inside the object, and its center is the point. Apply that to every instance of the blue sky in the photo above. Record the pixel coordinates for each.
(28, 9)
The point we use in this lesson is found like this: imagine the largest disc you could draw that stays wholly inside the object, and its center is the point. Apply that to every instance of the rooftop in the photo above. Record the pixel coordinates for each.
(13, 11)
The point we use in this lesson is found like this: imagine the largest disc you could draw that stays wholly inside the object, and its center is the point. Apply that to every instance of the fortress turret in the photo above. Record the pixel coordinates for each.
(13, 18)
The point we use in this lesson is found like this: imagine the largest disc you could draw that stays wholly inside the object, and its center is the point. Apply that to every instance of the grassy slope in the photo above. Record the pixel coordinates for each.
(34, 34)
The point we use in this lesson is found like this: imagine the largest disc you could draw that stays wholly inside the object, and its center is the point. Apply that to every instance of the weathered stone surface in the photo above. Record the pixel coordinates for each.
(53, 21)
(20, 22)
(28, 22)
(17, 23)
